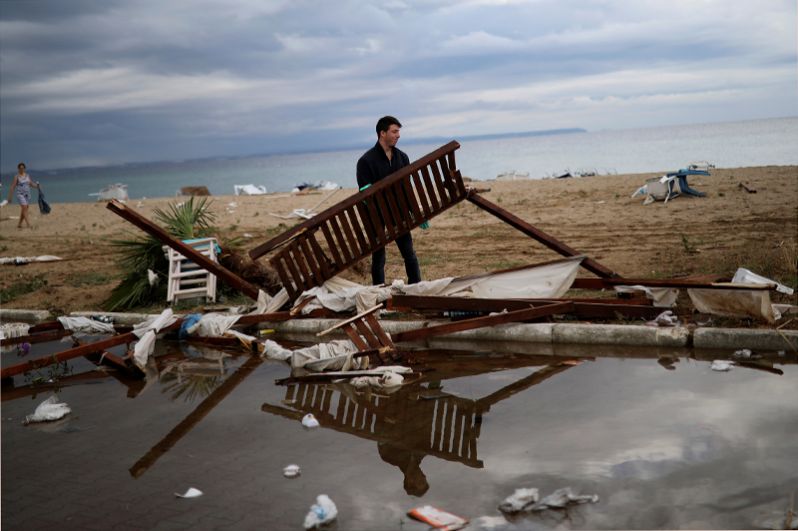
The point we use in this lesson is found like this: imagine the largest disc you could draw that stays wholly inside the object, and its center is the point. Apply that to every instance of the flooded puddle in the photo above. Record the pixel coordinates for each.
(664, 441)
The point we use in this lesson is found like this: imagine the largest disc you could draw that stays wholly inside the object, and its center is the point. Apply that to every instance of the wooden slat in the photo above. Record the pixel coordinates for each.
(385, 212)
(407, 189)
(350, 235)
(328, 237)
(367, 334)
(429, 187)
(347, 253)
(376, 222)
(321, 258)
(312, 261)
(422, 196)
(297, 265)
(359, 229)
(354, 336)
(390, 199)
(440, 185)
(351, 200)
(376, 328)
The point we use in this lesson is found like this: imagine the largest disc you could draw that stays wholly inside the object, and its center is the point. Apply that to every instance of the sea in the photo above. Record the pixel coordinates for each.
(536, 156)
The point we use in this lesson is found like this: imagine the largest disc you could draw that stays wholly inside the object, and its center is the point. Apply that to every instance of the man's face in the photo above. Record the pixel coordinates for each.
(391, 136)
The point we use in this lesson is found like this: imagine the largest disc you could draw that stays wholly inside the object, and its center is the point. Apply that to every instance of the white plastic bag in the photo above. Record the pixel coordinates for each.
(321, 512)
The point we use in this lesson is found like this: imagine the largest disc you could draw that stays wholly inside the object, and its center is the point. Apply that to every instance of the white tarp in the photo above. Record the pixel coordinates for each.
(744, 276)
(146, 331)
(86, 325)
(332, 356)
(734, 303)
(551, 280)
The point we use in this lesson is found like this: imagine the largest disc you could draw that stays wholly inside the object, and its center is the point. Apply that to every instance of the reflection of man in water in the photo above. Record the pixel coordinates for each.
(409, 463)
(406, 423)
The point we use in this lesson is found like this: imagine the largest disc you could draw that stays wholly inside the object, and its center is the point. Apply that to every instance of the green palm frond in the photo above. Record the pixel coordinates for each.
(191, 219)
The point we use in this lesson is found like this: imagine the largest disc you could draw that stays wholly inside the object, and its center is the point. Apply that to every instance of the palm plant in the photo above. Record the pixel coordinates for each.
(137, 255)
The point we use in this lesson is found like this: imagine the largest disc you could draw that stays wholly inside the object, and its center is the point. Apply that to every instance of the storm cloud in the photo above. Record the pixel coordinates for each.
(101, 82)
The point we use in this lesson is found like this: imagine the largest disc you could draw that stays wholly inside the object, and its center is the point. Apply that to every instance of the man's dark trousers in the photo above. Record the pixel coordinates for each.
(405, 244)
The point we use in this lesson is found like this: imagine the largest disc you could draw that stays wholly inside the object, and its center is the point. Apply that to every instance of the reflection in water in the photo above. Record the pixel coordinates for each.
(419, 419)
(213, 399)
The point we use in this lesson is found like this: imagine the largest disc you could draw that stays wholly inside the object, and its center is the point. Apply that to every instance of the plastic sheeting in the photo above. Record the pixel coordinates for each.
(49, 410)
(332, 356)
(745, 276)
(550, 280)
(661, 297)
(86, 325)
(734, 303)
(147, 331)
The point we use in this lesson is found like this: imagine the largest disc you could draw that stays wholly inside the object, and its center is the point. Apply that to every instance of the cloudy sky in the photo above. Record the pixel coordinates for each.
(97, 82)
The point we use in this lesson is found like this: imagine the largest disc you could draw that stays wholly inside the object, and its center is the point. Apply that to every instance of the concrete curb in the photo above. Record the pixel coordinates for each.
(24, 316)
(543, 333)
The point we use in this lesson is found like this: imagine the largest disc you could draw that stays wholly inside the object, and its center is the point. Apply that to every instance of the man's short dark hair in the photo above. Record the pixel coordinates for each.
(385, 123)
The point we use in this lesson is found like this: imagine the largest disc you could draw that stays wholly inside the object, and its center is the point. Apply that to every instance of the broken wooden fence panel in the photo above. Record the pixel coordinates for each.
(366, 221)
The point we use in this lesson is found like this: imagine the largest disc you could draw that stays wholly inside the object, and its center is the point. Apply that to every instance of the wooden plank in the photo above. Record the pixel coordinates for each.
(440, 185)
(367, 334)
(331, 244)
(537, 234)
(350, 235)
(376, 222)
(608, 283)
(296, 265)
(448, 178)
(312, 260)
(360, 231)
(203, 261)
(321, 258)
(368, 226)
(351, 200)
(279, 265)
(350, 320)
(376, 328)
(385, 214)
(347, 253)
(351, 331)
(422, 196)
(390, 199)
(429, 187)
(480, 322)
(404, 209)
(407, 191)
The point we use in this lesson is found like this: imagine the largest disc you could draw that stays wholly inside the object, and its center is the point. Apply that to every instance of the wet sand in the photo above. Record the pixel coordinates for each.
(664, 441)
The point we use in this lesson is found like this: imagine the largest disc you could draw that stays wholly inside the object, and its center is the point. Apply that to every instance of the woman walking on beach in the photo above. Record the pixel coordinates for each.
(22, 183)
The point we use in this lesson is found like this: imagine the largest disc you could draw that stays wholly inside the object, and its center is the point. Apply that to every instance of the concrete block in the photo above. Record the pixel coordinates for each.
(738, 338)
(24, 316)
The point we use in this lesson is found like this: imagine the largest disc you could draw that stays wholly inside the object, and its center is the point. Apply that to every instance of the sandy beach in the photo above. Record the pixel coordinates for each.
(732, 227)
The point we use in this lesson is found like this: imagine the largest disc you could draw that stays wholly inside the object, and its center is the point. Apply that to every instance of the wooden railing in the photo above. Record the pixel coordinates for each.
(320, 248)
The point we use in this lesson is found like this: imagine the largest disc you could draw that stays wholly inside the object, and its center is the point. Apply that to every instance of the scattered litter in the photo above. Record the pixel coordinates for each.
(744, 187)
(22, 260)
(490, 522)
(23, 349)
(561, 498)
(320, 185)
(321, 512)
(309, 421)
(249, 189)
(190, 493)
(745, 276)
(722, 365)
(152, 277)
(116, 191)
(666, 318)
(520, 499)
(49, 410)
(247, 235)
(437, 518)
(745, 354)
(526, 500)
(11, 330)
(291, 471)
